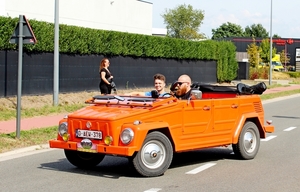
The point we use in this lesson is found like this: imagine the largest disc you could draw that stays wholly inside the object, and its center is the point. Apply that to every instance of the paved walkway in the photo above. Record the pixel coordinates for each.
(47, 121)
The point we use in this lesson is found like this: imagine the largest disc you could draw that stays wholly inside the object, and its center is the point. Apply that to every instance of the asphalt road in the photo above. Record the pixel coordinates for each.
(275, 168)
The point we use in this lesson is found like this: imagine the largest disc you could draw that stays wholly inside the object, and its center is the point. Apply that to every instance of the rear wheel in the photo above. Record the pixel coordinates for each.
(83, 159)
(248, 143)
(155, 156)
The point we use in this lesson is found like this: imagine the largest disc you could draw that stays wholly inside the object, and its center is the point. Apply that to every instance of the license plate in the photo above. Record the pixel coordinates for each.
(88, 134)
(82, 149)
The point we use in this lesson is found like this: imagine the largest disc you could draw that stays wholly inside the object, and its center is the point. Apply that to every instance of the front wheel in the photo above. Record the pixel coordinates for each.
(83, 159)
(155, 156)
(248, 143)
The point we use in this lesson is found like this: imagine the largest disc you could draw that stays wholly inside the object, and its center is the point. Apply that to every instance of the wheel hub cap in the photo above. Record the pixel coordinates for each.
(153, 154)
(249, 142)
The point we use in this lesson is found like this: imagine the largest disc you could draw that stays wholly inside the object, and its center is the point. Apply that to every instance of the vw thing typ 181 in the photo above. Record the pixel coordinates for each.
(150, 130)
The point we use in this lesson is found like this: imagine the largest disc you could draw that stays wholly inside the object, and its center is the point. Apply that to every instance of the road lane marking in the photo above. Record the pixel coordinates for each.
(290, 128)
(201, 168)
(153, 190)
(269, 138)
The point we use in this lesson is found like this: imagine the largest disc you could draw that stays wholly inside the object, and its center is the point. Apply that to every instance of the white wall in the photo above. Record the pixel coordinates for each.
(131, 16)
(2, 7)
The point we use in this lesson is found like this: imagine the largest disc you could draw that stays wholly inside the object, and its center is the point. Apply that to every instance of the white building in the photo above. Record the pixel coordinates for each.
(132, 16)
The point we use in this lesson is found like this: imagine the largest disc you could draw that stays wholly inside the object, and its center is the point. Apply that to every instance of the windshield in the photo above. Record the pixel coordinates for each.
(276, 63)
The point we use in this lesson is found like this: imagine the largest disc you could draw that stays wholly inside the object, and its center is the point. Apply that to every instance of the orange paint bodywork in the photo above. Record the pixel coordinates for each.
(215, 120)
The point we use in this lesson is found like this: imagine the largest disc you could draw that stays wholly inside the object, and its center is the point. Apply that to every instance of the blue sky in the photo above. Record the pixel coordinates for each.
(285, 14)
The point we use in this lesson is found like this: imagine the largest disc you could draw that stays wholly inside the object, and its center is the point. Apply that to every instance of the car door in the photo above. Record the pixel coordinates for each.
(196, 121)
(225, 114)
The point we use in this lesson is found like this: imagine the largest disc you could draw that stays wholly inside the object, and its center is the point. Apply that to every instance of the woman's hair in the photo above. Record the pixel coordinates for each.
(160, 77)
(102, 63)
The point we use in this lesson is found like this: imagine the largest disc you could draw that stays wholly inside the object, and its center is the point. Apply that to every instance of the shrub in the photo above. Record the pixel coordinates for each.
(259, 73)
(294, 74)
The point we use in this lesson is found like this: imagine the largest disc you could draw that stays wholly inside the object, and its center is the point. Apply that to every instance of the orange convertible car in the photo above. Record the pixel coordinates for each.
(150, 130)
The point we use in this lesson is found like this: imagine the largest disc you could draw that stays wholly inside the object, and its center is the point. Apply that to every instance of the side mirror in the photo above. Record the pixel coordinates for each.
(196, 94)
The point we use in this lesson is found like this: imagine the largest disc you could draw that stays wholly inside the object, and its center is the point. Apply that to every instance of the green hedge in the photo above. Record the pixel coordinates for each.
(85, 41)
(294, 74)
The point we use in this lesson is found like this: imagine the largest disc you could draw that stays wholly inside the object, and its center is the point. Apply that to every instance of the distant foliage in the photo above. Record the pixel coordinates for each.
(227, 30)
(294, 74)
(234, 30)
(184, 22)
(254, 52)
(265, 51)
(262, 73)
(256, 30)
(284, 58)
(86, 41)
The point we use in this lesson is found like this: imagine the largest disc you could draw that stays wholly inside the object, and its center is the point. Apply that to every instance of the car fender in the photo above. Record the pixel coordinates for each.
(141, 130)
(243, 119)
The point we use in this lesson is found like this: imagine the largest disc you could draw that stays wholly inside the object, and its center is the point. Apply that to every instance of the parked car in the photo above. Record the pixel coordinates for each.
(291, 68)
(149, 130)
(277, 66)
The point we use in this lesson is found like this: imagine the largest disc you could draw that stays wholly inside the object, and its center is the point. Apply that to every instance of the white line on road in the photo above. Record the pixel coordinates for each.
(201, 168)
(269, 138)
(153, 190)
(290, 128)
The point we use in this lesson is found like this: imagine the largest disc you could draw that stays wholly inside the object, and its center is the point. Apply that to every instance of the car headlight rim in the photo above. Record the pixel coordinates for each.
(63, 129)
(127, 136)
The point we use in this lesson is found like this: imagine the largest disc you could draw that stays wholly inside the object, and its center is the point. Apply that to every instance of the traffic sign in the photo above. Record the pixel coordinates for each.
(28, 35)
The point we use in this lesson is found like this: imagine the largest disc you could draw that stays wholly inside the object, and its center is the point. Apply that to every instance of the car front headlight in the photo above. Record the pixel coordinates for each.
(63, 128)
(127, 136)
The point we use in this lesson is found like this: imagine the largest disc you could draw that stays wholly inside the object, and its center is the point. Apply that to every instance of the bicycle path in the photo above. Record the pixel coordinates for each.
(53, 120)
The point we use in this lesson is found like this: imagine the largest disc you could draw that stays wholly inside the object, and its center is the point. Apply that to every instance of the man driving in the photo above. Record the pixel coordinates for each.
(183, 87)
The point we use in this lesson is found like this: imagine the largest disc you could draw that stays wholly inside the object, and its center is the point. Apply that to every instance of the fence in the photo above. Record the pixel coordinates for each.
(81, 72)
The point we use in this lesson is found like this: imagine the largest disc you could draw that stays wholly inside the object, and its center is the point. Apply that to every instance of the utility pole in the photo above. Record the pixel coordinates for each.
(56, 55)
(271, 48)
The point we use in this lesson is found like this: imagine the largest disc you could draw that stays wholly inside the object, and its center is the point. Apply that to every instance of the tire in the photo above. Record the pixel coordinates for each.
(83, 159)
(248, 143)
(155, 156)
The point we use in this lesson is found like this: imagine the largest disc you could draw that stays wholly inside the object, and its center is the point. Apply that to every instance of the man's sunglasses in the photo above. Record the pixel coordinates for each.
(180, 83)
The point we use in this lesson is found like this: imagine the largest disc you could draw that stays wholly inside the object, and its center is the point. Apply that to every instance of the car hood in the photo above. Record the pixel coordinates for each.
(112, 109)
(107, 112)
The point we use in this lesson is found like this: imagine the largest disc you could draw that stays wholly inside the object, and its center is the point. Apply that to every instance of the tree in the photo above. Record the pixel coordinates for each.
(227, 30)
(256, 30)
(276, 36)
(284, 58)
(184, 22)
(254, 51)
(265, 51)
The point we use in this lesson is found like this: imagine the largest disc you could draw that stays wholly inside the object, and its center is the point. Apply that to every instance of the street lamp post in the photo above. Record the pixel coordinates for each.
(271, 48)
(56, 55)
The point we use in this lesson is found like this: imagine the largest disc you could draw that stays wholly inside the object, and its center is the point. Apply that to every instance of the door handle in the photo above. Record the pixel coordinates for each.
(234, 106)
(206, 108)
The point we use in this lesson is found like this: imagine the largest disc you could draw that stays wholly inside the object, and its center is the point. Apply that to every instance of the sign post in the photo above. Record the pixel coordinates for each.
(23, 34)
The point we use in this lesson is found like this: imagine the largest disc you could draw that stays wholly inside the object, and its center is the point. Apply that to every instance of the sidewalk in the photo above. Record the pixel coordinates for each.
(280, 89)
(30, 123)
(47, 121)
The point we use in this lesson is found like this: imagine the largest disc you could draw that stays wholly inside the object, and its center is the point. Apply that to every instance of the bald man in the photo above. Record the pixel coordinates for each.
(184, 87)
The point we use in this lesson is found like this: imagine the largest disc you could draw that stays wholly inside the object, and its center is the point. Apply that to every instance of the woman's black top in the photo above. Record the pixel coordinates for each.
(104, 87)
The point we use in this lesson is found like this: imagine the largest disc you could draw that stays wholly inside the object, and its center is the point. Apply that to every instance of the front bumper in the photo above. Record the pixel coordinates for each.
(269, 128)
(104, 149)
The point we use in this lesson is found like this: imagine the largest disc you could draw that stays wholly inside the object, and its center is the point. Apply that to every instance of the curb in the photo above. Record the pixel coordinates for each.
(26, 151)
(280, 98)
